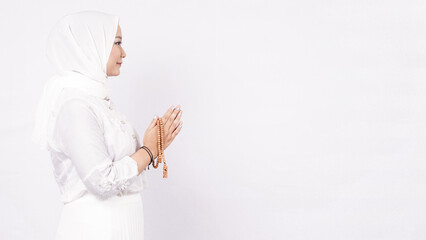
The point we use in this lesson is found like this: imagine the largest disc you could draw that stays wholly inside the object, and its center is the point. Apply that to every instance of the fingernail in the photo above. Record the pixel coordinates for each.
(155, 116)
(173, 108)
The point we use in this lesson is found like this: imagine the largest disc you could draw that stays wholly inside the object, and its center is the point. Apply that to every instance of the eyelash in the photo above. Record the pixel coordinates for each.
(119, 43)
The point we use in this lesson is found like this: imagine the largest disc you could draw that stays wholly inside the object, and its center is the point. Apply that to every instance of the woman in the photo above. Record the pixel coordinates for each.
(98, 163)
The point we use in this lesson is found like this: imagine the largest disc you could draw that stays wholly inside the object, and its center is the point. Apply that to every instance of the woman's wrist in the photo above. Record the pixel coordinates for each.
(142, 158)
(153, 150)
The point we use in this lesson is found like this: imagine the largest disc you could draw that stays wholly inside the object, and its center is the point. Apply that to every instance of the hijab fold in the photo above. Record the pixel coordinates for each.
(78, 46)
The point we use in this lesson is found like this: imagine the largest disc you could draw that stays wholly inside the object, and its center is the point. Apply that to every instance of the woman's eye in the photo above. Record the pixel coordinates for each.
(119, 43)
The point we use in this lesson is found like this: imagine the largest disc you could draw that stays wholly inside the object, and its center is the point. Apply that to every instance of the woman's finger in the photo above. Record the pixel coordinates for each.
(153, 122)
(167, 114)
(176, 121)
(177, 130)
(172, 117)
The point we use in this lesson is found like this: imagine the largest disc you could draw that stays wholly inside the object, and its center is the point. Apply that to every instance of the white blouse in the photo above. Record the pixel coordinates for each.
(92, 147)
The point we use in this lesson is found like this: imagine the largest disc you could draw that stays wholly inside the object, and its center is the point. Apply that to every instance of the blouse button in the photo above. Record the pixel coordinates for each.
(123, 122)
(110, 107)
(134, 136)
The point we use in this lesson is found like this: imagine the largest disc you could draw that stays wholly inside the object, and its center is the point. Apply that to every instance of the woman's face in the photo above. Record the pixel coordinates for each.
(116, 56)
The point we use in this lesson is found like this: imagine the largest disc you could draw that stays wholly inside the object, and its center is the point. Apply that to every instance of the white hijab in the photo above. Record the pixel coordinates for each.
(78, 46)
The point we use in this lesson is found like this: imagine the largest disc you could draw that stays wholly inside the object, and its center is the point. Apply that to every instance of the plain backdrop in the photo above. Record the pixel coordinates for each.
(301, 119)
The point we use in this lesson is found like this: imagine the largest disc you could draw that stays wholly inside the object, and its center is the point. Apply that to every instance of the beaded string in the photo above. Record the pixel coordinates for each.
(160, 146)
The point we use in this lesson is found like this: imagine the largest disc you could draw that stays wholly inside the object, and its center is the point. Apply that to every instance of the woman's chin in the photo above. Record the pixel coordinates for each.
(115, 74)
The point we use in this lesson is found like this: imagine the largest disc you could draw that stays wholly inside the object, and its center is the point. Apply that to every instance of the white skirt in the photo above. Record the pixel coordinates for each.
(90, 218)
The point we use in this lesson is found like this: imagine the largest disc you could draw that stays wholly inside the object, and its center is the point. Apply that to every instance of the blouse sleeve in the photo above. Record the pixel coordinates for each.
(80, 136)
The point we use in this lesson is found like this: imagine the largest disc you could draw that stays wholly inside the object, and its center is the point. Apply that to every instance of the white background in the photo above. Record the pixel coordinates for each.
(302, 119)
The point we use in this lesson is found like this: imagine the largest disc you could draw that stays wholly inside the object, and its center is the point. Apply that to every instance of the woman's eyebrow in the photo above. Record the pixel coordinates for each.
(118, 37)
